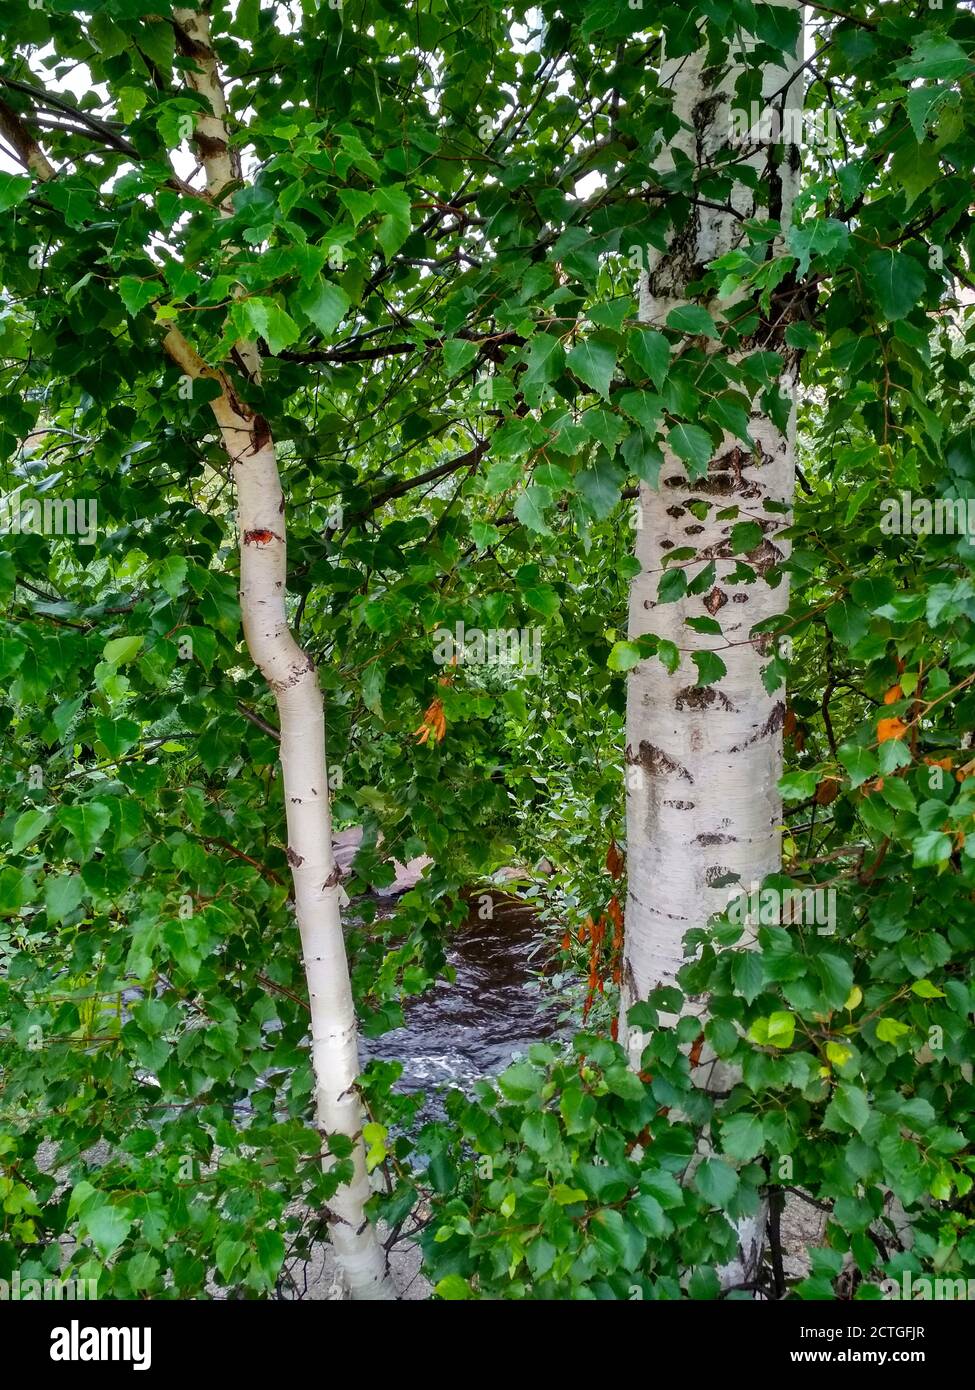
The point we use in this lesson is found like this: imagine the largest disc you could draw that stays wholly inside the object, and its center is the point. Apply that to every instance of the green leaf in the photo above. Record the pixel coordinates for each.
(624, 656)
(710, 667)
(107, 1226)
(644, 407)
(545, 359)
(623, 1082)
(777, 25)
(171, 575)
(692, 444)
(890, 1029)
(117, 734)
(28, 828)
(692, 319)
(395, 226)
(716, 1182)
(324, 304)
(931, 848)
(62, 895)
(87, 823)
(136, 294)
(530, 507)
(748, 974)
(14, 188)
(542, 598)
(837, 977)
(458, 353)
(849, 1109)
(121, 650)
(452, 1288)
(924, 989)
(594, 362)
(599, 486)
(228, 1255)
(823, 238)
(935, 55)
(651, 352)
(357, 203)
(742, 1137)
(521, 1081)
(896, 282)
(922, 103)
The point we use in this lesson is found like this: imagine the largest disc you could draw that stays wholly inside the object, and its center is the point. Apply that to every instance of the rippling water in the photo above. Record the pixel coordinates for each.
(471, 1027)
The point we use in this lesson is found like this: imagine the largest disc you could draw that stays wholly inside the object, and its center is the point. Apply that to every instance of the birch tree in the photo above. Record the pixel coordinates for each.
(704, 738)
(333, 314)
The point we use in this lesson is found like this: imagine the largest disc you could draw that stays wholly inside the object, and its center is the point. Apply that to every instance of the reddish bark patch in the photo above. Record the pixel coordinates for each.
(260, 434)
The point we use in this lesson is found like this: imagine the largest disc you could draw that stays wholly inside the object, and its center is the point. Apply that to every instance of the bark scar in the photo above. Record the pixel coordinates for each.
(260, 434)
(655, 761)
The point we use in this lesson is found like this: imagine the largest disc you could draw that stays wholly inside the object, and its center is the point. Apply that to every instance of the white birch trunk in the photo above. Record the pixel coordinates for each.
(291, 675)
(704, 762)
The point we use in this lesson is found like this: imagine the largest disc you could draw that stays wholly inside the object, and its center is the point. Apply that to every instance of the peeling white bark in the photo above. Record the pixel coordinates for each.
(704, 762)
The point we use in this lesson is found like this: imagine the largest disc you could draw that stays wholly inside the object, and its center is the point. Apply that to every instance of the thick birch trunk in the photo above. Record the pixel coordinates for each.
(704, 762)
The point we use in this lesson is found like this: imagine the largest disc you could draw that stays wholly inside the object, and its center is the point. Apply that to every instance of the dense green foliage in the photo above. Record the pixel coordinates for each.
(437, 243)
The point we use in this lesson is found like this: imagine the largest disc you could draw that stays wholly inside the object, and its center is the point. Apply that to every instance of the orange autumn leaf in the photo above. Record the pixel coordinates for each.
(893, 695)
(827, 791)
(434, 722)
(946, 764)
(614, 860)
(890, 728)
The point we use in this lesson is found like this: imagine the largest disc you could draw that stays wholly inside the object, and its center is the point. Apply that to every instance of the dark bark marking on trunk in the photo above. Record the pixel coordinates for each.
(771, 726)
(701, 697)
(656, 762)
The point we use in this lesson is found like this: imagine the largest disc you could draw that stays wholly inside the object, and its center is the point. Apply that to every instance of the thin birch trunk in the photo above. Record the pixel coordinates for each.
(291, 675)
(704, 761)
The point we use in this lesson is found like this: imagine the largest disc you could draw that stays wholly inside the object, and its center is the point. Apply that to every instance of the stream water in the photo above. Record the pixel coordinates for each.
(471, 1027)
(496, 1006)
